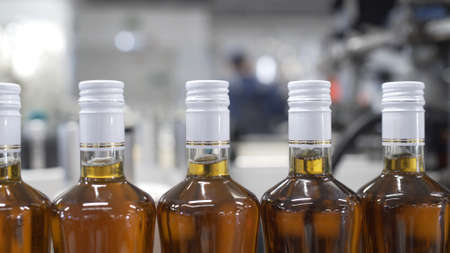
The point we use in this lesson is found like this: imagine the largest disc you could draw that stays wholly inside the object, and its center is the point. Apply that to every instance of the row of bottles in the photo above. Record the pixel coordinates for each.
(402, 210)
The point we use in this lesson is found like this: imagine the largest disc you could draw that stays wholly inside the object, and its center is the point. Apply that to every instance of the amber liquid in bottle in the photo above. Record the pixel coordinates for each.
(310, 211)
(208, 212)
(404, 209)
(24, 211)
(103, 213)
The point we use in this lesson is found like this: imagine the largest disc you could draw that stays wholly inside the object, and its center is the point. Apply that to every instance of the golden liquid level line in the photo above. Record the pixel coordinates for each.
(405, 164)
(213, 169)
(10, 172)
(108, 171)
(308, 166)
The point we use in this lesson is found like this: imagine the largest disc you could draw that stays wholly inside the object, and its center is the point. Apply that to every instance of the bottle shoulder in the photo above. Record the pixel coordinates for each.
(309, 191)
(111, 193)
(214, 191)
(21, 194)
(411, 187)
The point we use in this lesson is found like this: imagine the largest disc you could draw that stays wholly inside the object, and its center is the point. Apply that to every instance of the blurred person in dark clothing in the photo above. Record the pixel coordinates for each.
(256, 108)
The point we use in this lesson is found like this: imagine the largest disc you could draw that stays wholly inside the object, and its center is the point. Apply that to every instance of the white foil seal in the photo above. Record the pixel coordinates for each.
(207, 114)
(403, 118)
(101, 114)
(309, 113)
(10, 121)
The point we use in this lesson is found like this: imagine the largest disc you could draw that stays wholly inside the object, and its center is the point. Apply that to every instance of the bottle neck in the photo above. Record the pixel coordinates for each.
(102, 163)
(207, 161)
(404, 158)
(10, 165)
(312, 160)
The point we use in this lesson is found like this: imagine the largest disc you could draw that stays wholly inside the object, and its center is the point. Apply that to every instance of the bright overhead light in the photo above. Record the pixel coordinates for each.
(125, 41)
(266, 69)
(26, 43)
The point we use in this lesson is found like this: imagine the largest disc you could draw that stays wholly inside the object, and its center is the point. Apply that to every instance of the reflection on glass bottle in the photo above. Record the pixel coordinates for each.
(404, 209)
(103, 212)
(208, 211)
(24, 211)
(310, 211)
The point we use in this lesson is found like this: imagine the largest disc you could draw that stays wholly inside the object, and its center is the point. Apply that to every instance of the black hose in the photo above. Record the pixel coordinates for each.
(361, 125)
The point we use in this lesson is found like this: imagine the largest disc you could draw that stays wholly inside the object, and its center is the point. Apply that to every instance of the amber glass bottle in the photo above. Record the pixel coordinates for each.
(103, 213)
(24, 211)
(208, 212)
(404, 210)
(310, 211)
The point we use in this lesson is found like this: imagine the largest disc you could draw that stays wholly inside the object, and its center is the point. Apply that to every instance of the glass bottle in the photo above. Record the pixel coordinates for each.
(404, 209)
(208, 211)
(24, 211)
(310, 211)
(103, 212)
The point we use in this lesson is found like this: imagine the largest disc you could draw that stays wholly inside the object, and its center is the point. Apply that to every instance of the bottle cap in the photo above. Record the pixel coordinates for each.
(313, 94)
(207, 114)
(10, 121)
(309, 112)
(101, 115)
(403, 113)
(105, 93)
(407, 93)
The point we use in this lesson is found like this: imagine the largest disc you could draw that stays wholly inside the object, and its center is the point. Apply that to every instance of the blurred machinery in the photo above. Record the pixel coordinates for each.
(397, 40)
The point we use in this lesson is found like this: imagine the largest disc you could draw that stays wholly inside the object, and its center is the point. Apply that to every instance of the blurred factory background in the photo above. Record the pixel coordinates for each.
(154, 46)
